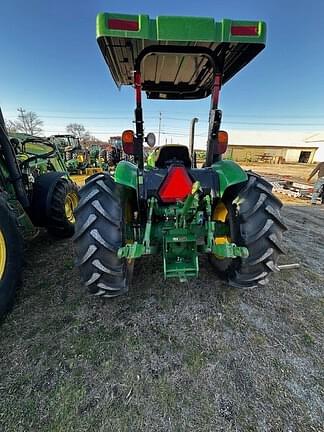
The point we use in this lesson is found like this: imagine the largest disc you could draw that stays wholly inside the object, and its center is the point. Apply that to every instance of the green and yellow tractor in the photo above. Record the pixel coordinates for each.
(169, 207)
(114, 151)
(35, 191)
(75, 157)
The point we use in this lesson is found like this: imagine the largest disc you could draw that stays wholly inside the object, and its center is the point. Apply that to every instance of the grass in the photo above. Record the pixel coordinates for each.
(169, 356)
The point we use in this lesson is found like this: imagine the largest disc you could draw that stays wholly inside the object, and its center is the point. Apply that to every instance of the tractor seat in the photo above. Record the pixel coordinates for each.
(172, 153)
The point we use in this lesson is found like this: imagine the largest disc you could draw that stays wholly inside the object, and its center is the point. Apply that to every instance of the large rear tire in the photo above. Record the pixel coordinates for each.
(11, 256)
(255, 222)
(60, 219)
(98, 236)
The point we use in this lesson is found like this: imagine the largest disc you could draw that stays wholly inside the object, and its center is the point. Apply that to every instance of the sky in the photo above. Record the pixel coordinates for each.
(51, 64)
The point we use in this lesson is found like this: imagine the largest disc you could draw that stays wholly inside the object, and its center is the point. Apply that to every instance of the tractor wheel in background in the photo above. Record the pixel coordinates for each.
(60, 219)
(112, 157)
(98, 236)
(11, 256)
(255, 222)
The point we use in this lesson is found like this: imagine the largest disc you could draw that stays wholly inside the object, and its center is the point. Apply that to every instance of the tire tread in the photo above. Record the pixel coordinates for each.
(97, 241)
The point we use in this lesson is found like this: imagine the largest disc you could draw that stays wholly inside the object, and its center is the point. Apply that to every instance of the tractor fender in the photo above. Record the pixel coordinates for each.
(42, 196)
(229, 174)
(126, 174)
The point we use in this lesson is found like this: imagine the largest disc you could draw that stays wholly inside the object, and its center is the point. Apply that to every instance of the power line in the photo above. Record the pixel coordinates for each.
(53, 131)
(177, 131)
(82, 118)
(230, 115)
(255, 123)
(252, 123)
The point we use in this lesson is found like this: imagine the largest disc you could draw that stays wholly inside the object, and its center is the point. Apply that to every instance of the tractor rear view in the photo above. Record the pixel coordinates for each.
(169, 207)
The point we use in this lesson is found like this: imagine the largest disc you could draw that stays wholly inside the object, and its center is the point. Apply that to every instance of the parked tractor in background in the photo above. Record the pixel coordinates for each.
(66, 143)
(96, 159)
(35, 191)
(75, 157)
(169, 207)
(114, 151)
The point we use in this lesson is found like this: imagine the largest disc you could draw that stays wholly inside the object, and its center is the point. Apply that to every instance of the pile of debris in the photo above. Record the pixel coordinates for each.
(293, 189)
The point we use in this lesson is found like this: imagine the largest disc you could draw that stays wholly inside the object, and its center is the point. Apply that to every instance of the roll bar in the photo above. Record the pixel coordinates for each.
(216, 59)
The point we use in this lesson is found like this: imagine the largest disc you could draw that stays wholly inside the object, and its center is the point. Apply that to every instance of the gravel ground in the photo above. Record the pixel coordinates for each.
(169, 356)
(296, 172)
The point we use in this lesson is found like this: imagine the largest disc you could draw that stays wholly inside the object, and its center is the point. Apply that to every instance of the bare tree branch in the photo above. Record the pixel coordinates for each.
(11, 126)
(80, 132)
(28, 122)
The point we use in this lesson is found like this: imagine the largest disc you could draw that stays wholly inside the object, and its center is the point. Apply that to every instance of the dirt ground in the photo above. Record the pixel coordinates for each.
(169, 356)
(295, 172)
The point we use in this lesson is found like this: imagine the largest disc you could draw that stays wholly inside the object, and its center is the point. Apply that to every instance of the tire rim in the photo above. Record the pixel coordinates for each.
(71, 202)
(3, 255)
(220, 214)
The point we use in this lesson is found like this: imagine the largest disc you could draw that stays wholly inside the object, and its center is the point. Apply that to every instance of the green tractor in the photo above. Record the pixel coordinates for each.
(35, 191)
(96, 159)
(169, 207)
(114, 151)
(75, 157)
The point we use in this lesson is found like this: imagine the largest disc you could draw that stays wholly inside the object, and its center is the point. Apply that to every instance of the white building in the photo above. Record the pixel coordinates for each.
(291, 147)
(318, 141)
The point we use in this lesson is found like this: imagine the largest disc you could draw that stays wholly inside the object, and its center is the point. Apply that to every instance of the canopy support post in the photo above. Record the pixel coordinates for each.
(139, 122)
(215, 118)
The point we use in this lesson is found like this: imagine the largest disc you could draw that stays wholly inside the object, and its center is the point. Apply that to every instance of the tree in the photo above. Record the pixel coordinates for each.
(95, 141)
(28, 122)
(11, 126)
(79, 131)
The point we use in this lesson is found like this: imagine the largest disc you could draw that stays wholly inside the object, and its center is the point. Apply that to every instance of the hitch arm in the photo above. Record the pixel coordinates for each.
(189, 202)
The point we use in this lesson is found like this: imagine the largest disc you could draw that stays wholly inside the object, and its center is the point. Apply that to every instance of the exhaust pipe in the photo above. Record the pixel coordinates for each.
(192, 140)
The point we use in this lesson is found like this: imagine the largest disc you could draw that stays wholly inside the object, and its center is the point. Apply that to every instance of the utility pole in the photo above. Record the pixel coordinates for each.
(22, 117)
(160, 119)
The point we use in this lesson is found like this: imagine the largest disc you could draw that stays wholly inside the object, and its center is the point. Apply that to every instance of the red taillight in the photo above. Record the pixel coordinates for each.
(176, 186)
(128, 142)
(222, 142)
(251, 30)
(121, 24)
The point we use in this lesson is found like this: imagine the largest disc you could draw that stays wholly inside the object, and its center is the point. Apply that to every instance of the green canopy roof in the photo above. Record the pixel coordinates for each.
(182, 70)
